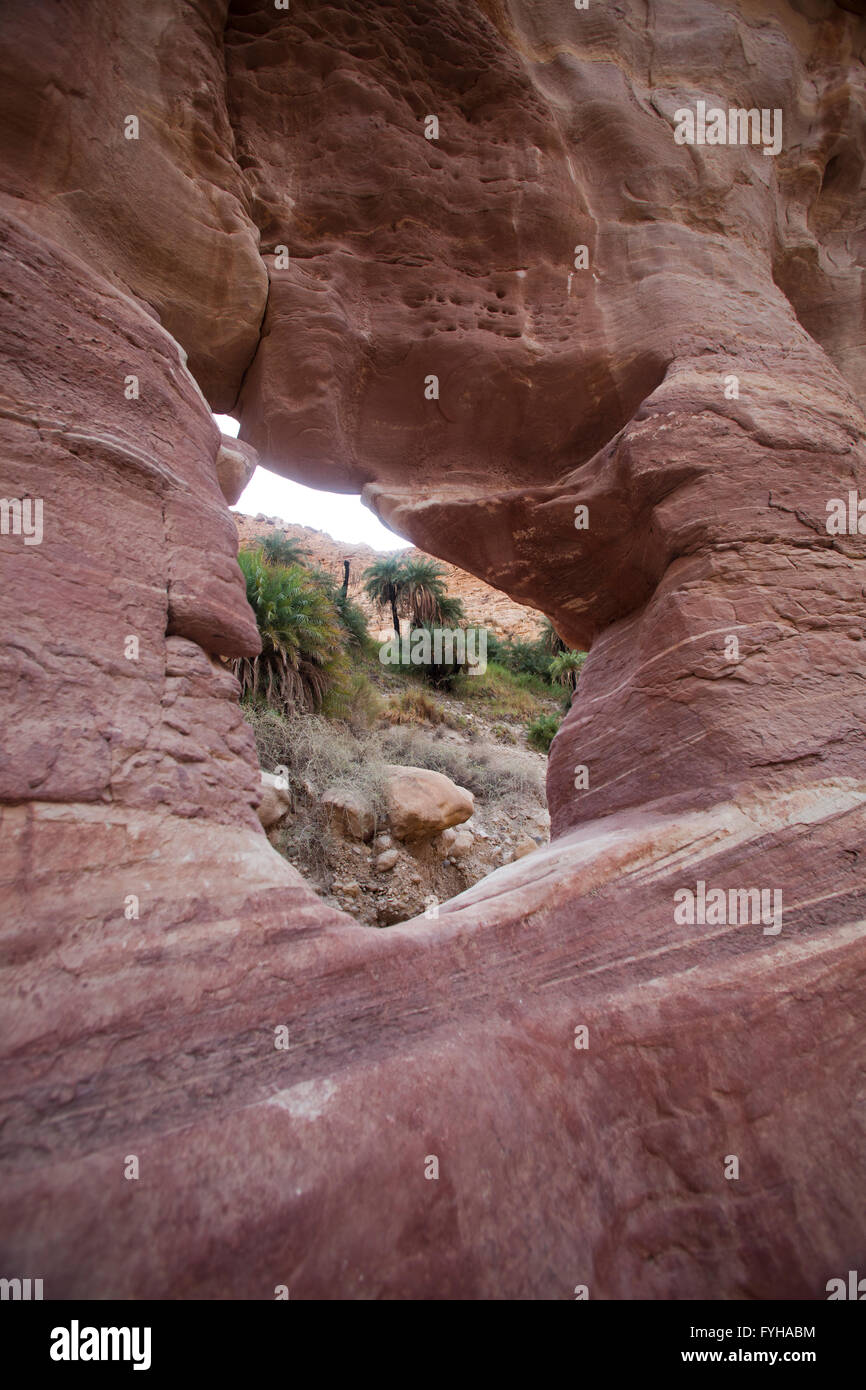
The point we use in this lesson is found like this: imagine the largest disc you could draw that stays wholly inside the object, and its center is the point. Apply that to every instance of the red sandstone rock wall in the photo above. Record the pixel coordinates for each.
(152, 942)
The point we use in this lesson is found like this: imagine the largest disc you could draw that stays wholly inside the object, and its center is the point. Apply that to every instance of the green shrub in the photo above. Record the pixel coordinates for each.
(520, 657)
(414, 707)
(280, 549)
(540, 664)
(529, 658)
(506, 694)
(357, 702)
(541, 732)
(440, 674)
(495, 647)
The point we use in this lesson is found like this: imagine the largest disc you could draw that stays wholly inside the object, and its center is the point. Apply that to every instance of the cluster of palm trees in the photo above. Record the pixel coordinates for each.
(415, 589)
(412, 588)
(302, 643)
(308, 626)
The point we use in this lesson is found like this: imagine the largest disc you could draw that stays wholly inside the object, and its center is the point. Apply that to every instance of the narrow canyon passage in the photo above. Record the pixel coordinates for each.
(642, 441)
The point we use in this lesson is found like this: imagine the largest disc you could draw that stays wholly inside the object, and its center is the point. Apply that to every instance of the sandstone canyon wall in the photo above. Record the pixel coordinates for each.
(152, 941)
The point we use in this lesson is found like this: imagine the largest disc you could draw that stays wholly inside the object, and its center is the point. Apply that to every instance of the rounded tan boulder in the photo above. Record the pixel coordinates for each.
(524, 845)
(276, 800)
(349, 813)
(236, 463)
(422, 803)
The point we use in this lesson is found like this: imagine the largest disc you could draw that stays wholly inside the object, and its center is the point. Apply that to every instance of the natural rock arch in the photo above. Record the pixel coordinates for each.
(128, 785)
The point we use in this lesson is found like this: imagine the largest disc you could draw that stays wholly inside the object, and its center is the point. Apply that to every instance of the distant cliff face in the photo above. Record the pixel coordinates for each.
(483, 605)
(536, 283)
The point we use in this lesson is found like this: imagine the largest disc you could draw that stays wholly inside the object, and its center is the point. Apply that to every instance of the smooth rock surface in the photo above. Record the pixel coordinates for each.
(422, 803)
(236, 463)
(386, 861)
(349, 813)
(276, 800)
(462, 845)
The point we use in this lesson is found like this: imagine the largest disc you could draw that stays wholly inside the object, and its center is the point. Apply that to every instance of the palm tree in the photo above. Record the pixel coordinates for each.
(425, 590)
(450, 611)
(385, 583)
(565, 668)
(351, 617)
(549, 639)
(416, 585)
(301, 656)
(280, 549)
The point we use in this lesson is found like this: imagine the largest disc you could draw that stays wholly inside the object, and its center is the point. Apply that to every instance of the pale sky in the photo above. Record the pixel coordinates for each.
(344, 517)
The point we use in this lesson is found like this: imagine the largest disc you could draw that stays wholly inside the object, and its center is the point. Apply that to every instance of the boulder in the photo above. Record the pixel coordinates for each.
(276, 800)
(236, 463)
(387, 861)
(523, 845)
(350, 813)
(462, 844)
(422, 803)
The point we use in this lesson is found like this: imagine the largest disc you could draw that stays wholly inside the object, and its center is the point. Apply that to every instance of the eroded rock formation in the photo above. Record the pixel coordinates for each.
(152, 941)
